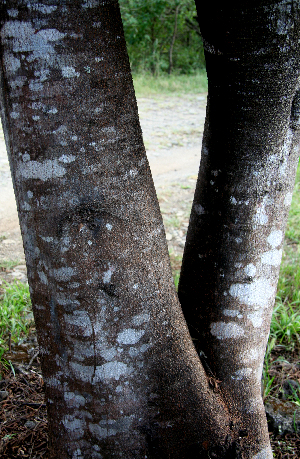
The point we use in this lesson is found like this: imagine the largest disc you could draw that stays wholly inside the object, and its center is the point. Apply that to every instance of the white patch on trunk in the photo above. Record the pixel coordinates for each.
(67, 159)
(250, 355)
(108, 354)
(258, 293)
(47, 170)
(107, 276)
(81, 320)
(199, 209)
(69, 72)
(74, 425)
(232, 313)
(241, 374)
(13, 13)
(256, 318)
(223, 330)
(43, 277)
(82, 372)
(44, 9)
(275, 238)
(73, 400)
(64, 274)
(265, 453)
(50, 34)
(11, 64)
(110, 427)
(140, 319)
(288, 199)
(90, 4)
(261, 218)
(111, 370)
(130, 336)
(250, 270)
(272, 257)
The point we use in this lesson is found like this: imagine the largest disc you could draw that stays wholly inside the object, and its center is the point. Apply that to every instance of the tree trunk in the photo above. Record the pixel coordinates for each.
(249, 158)
(122, 376)
(173, 41)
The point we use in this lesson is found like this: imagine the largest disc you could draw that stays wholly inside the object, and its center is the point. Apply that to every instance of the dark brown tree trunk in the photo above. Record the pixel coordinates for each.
(249, 158)
(123, 378)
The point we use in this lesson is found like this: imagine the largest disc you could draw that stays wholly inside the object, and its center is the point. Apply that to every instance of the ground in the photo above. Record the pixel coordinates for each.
(172, 128)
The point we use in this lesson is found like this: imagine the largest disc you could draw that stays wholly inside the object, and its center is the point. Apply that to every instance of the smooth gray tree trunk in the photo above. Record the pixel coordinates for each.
(123, 378)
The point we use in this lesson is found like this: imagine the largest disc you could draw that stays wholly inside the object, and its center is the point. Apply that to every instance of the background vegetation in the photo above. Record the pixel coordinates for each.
(162, 36)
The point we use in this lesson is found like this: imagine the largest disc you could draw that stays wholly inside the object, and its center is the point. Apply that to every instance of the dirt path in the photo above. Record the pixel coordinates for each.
(172, 129)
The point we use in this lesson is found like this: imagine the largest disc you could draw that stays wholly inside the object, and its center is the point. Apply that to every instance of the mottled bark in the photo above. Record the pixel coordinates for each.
(249, 158)
(122, 376)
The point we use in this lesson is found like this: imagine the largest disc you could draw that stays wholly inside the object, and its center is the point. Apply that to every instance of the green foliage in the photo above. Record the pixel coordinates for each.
(15, 313)
(149, 28)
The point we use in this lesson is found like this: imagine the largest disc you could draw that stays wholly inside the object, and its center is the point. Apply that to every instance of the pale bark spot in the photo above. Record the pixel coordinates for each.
(258, 293)
(47, 238)
(74, 400)
(275, 238)
(232, 313)
(77, 454)
(108, 226)
(241, 374)
(111, 370)
(11, 63)
(69, 72)
(108, 354)
(44, 171)
(64, 274)
(251, 355)
(43, 277)
(223, 330)
(67, 159)
(272, 257)
(50, 34)
(261, 217)
(81, 321)
(288, 199)
(110, 427)
(256, 318)
(140, 319)
(44, 9)
(233, 200)
(130, 336)
(250, 270)
(13, 13)
(265, 453)
(82, 372)
(74, 425)
(199, 209)
(107, 276)
(90, 4)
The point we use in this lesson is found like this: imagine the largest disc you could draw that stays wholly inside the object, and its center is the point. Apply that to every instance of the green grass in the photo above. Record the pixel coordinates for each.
(15, 314)
(147, 85)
